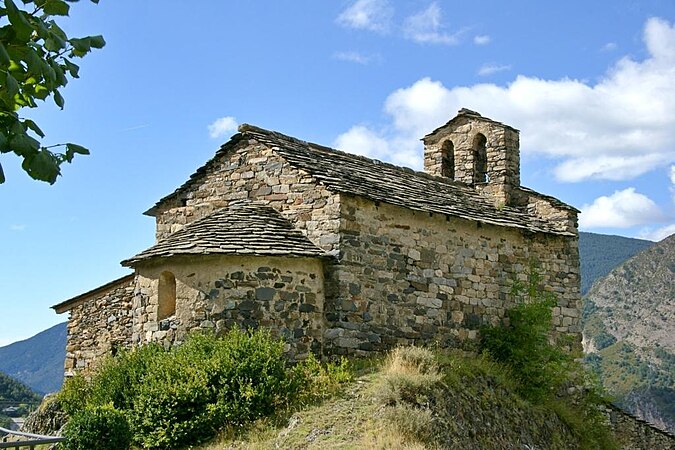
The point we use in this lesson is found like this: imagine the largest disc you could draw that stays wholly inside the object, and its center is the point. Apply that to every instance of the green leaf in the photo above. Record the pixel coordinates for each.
(12, 86)
(61, 79)
(81, 45)
(44, 166)
(3, 142)
(56, 8)
(41, 92)
(73, 68)
(97, 41)
(4, 56)
(77, 149)
(24, 145)
(18, 20)
(58, 99)
(33, 126)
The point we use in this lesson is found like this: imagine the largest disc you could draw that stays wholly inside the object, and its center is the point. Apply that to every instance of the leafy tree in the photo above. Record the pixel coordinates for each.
(36, 60)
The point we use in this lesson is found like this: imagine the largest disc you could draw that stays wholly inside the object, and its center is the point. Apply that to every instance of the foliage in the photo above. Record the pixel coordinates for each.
(184, 395)
(524, 344)
(427, 395)
(320, 381)
(36, 60)
(98, 427)
(15, 392)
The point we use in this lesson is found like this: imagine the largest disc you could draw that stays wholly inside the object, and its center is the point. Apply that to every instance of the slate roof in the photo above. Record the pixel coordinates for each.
(464, 112)
(69, 304)
(383, 182)
(246, 228)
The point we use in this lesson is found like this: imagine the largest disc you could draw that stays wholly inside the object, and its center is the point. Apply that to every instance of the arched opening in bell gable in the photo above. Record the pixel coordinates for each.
(480, 174)
(448, 160)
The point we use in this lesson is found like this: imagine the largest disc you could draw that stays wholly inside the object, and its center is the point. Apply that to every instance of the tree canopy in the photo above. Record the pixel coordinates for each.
(36, 60)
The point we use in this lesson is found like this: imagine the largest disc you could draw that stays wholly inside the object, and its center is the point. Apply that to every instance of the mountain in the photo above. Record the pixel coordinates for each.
(600, 253)
(16, 399)
(37, 361)
(629, 333)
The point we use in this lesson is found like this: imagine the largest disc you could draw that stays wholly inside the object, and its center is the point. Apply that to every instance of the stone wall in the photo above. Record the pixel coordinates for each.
(408, 277)
(636, 434)
(253, 171)
(502, 148)
(97, 326)
(283, 294)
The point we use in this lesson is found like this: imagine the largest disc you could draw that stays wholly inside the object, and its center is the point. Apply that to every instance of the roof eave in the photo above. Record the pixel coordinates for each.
(67, 305)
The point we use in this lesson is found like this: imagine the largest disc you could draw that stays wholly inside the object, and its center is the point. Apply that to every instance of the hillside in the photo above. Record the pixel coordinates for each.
(629, 333)
(600, 253)
(16, 399)
(37, 361)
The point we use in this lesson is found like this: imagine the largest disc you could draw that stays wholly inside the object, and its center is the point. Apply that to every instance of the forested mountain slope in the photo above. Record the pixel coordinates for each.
(600, 253)
(629, 333)
(37, 361)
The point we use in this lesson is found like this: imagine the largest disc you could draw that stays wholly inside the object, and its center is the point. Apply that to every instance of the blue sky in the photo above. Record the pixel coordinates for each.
(591, 86)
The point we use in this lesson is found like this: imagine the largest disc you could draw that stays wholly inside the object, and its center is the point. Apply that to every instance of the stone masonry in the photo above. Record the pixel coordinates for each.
(100, 322)
(341, 254)
(217, 293)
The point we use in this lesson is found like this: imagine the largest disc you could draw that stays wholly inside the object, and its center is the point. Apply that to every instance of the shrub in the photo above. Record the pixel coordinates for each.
(185, 395)
(98, 427)
(207, 383)
(410, 375)
(524, 344)
(320, 381)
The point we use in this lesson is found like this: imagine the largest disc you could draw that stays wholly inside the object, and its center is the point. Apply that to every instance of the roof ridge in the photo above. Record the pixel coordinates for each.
(248, 128)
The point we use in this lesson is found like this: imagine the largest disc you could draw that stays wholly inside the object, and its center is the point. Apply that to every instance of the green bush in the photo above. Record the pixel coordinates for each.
(207, 383)
(185, 395)
(98, 427)
(524, 344)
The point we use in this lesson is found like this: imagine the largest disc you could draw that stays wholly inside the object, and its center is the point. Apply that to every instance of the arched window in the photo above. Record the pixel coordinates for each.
(448, 160)
(167, 295)
(480, 159)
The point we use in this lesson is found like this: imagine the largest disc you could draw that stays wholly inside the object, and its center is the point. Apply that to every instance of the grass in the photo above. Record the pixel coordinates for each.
(418, 399)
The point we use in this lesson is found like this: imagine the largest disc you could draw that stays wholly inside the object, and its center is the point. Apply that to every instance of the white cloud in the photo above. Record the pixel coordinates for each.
(657, 234)
(17, 227)
(372, 15)
(609, 47)
(363, 141)
(425, 27)
(489, 69)
(482, 39)
(223, 126)
(352, 56)
(618, 128)
(622, 209)
(672, 182)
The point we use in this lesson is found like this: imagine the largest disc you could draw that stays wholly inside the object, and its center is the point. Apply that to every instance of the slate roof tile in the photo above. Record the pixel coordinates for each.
(246, 228)
(383, 182)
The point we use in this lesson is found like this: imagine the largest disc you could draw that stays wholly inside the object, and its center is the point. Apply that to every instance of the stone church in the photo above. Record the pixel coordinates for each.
(338, 253)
